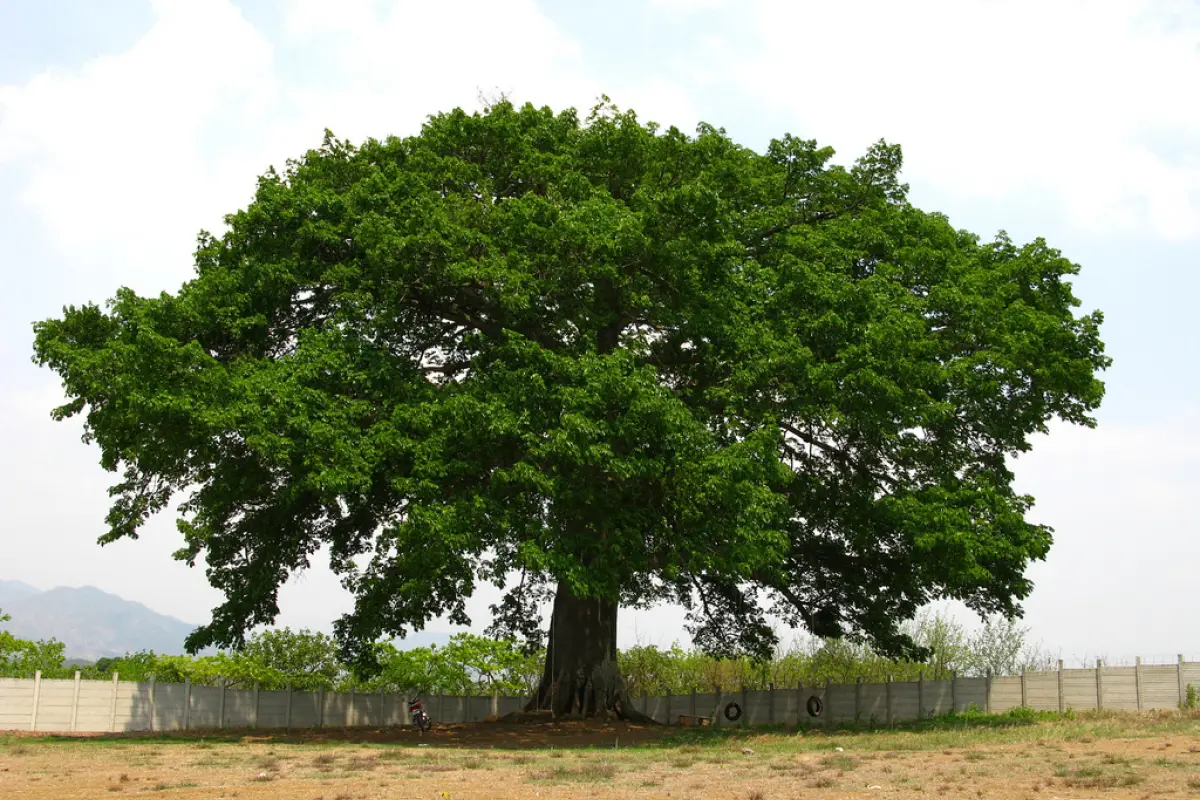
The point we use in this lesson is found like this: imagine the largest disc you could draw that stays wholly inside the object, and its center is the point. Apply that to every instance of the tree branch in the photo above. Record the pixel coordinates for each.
(838, 455)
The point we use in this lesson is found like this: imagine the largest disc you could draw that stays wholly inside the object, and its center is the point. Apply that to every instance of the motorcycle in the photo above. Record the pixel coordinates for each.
(418, 714)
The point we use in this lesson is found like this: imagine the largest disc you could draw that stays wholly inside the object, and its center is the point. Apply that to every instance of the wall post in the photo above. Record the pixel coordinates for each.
(1137, 678)
(153, 701)
(37, 697)
(254, 719)
(1024, 691)
(1179, 679)
(954, 692)
(1062, 695)
(888, 699)
(221, 707)
(1099, 684)
(75, 704)
(112, 711)
(987, 691)
(921, 695)
(858, 700)
(187, 703)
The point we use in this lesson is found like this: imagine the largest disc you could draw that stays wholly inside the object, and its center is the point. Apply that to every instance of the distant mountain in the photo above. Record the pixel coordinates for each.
(90, 622)
(94, 624)
(15, 591)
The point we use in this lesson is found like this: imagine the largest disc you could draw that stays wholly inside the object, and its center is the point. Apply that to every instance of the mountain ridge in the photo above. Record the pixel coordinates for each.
(91, 622)
(95, 624)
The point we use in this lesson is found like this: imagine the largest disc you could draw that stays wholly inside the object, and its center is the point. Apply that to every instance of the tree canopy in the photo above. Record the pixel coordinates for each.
(596, 358)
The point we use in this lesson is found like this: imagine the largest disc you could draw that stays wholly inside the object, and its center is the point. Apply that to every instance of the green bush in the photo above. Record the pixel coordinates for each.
(471, 664)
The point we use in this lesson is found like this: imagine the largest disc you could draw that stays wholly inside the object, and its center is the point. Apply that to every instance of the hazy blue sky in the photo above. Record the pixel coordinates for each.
(126, 127)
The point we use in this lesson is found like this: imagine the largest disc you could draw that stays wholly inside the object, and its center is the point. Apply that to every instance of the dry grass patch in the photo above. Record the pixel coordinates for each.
(1095, 777)
(589, 772)
(361, 763)
(839, 762)
(270, 763)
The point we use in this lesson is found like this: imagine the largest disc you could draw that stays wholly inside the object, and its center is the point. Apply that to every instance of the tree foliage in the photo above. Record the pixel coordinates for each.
(467, 665)
(594, 356)
(21, 658)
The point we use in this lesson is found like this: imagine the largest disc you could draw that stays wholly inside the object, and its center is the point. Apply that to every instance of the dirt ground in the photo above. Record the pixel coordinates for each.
(1091, 759)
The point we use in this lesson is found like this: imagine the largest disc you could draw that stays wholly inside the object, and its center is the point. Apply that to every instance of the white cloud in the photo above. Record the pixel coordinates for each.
(1121, 573)
(394, 66)
(125, 159)
(686, 7)
(999, 100)
(115, 156)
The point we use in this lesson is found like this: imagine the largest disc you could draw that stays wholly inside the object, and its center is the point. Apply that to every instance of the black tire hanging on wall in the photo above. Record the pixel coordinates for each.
(733, 712)
(814, 706)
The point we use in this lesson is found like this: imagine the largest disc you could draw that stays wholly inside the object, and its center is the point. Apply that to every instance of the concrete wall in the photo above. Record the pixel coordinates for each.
(122, 706)
(77, 705)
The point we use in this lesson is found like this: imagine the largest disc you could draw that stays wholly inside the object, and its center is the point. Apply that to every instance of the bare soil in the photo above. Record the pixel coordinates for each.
(1101, 758)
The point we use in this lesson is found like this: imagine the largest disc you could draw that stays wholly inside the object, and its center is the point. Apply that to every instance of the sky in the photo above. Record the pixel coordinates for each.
(127, 128)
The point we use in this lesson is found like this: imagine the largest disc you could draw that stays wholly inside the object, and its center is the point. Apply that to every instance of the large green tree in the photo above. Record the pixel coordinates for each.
(595, 361)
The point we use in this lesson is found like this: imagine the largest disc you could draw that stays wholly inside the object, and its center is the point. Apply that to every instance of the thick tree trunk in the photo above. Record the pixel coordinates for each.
(581, 678)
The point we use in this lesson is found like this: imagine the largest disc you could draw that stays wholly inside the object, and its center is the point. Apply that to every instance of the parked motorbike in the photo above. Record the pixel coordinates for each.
(418, 714)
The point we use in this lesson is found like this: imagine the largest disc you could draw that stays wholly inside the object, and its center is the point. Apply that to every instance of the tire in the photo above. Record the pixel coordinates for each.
(733, 712)
(814, 706)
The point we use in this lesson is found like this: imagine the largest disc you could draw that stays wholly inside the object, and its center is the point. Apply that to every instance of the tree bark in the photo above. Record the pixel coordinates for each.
(581, 677)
